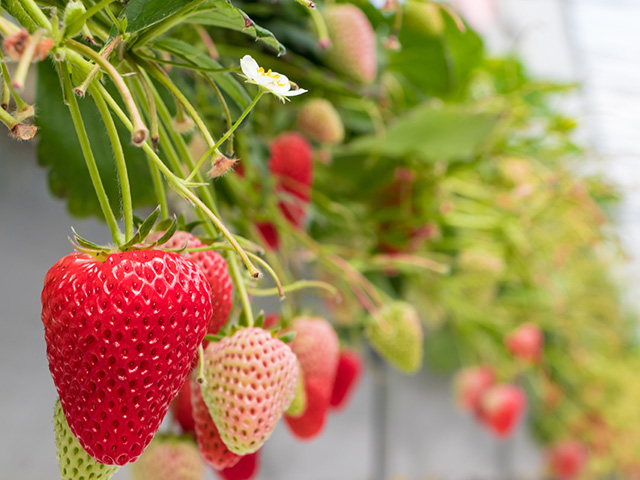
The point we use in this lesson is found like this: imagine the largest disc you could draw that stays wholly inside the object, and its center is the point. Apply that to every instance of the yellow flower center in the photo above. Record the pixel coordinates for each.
(271, 74)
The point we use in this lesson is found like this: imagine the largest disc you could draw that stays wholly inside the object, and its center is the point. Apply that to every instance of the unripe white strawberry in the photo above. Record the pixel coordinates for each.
(169, 457)
(353, 43)
(250, 380)
(319, 120)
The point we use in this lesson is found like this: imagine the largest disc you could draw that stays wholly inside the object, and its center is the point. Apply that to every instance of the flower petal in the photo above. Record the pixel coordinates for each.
(250, 67)
(293, 93)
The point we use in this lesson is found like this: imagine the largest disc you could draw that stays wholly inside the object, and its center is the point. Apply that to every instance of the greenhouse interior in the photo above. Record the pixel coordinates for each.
(320, 240)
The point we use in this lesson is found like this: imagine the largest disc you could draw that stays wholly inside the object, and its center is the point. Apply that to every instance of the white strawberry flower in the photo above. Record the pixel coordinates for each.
(272, 82)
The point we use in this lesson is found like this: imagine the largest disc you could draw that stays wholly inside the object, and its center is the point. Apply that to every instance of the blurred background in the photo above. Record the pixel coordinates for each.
(595, 43)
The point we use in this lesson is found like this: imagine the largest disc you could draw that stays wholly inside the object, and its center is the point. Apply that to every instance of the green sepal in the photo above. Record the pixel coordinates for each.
(84, 243)
(259, 320)
(213, 338)
(72, 13)
(173, 226)
(287, 337)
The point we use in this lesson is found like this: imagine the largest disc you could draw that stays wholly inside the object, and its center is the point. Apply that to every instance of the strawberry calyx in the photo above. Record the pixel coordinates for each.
(230, 330)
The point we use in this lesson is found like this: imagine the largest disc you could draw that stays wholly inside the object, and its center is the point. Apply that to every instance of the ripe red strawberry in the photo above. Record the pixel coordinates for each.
(269, 234)
(353, 43)
(470, 384)
(347, 376)
(216, 271)
(121, 336)
(310, 423)
(250, 381)
(526, 343)
(502, 407)
(246, 469)
(73, 461)
(213, 449)
(317, 348)
(567, 459)
(291, 163)
(169, 458)
(182, 411)
(319, 120)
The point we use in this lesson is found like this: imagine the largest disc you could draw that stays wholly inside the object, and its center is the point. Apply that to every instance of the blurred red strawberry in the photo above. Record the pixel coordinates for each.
(347, 376)
(566, 459)
(470, 384)
(526, 343)
(246, 468)
(502, 408)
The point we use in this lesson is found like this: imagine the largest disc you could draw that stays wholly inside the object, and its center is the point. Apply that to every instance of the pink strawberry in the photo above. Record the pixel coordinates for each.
(216, 271)
(347, 376)
(250, 381)
(470, 384)
(246, 469)
(353, 43)
(121, 336)
(291, 163)
(526, 342)
(567, 459)
(502, 407)
(310, 423)
(317, 348)
(319, 120)
(168, 458)
(213, 449)
(182, 411)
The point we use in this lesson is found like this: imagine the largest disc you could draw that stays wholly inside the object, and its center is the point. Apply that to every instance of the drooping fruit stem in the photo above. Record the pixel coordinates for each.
(178, 185)
(139, 133)
(299, 285)
(241, 289)
(90, 160)
(121, 165)
(226, 135)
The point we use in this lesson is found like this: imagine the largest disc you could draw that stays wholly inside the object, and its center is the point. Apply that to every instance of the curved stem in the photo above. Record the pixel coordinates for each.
(299, 285)
(121, 164)
(272, 273)
(226, 135)
(21, 105)
(36, 14)
(85, 145)
(225, 109)
(234, 271)
(177, 184)
(139, 133)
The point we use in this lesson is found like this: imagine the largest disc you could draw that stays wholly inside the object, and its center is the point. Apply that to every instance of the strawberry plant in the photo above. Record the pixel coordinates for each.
(422, 188)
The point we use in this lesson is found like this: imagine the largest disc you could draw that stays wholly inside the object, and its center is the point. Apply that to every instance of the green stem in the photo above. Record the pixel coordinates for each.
(178, 185)
(166, 24)
(271, 272)
(226, 135)
(121, 164)
(188, 66)
(6, 95)
(89, 13)
(16, 10)
(159, 75)
(225, 109)
(321, 28)
(25, 61)
(105, 52)
(8, 119)
(299, 285)
(200, 377)
(85, 145)
(21, 105)
(241, 289)
(158, 188)
(139, 133)
(36, 14)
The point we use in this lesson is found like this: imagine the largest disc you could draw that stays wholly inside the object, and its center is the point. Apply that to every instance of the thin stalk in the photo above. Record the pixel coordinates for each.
(226, 135)
(225, 109)
(121, 164)
(188, 66)
(159, 75)
(105, 52)
(200, 377)
(278, 289)
(153, 111)
(139, 133)
(321, 28)
(299, 285)
(6, 95)
(166, 24)
(85, 145)
(15, 8)
(241, 289)
(8, 119)
(8, 28)
(21, 105)
(90, 13)
(36, 14)
(178, 185)
(25, 60)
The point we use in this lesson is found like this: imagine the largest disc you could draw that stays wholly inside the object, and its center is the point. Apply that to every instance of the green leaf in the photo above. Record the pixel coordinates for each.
(169, 232)
(140, 14)
(220, 13)
(148, 224)
(431, 133)
(59, 151)
(193, 56)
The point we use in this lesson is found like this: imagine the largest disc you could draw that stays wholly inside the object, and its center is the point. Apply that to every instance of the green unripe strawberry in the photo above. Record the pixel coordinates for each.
(169, 457)
(75, 9)
(353, 43)
(396, 334)
(319, 120)
(74, 462)
(424, 17)
(299, 402)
